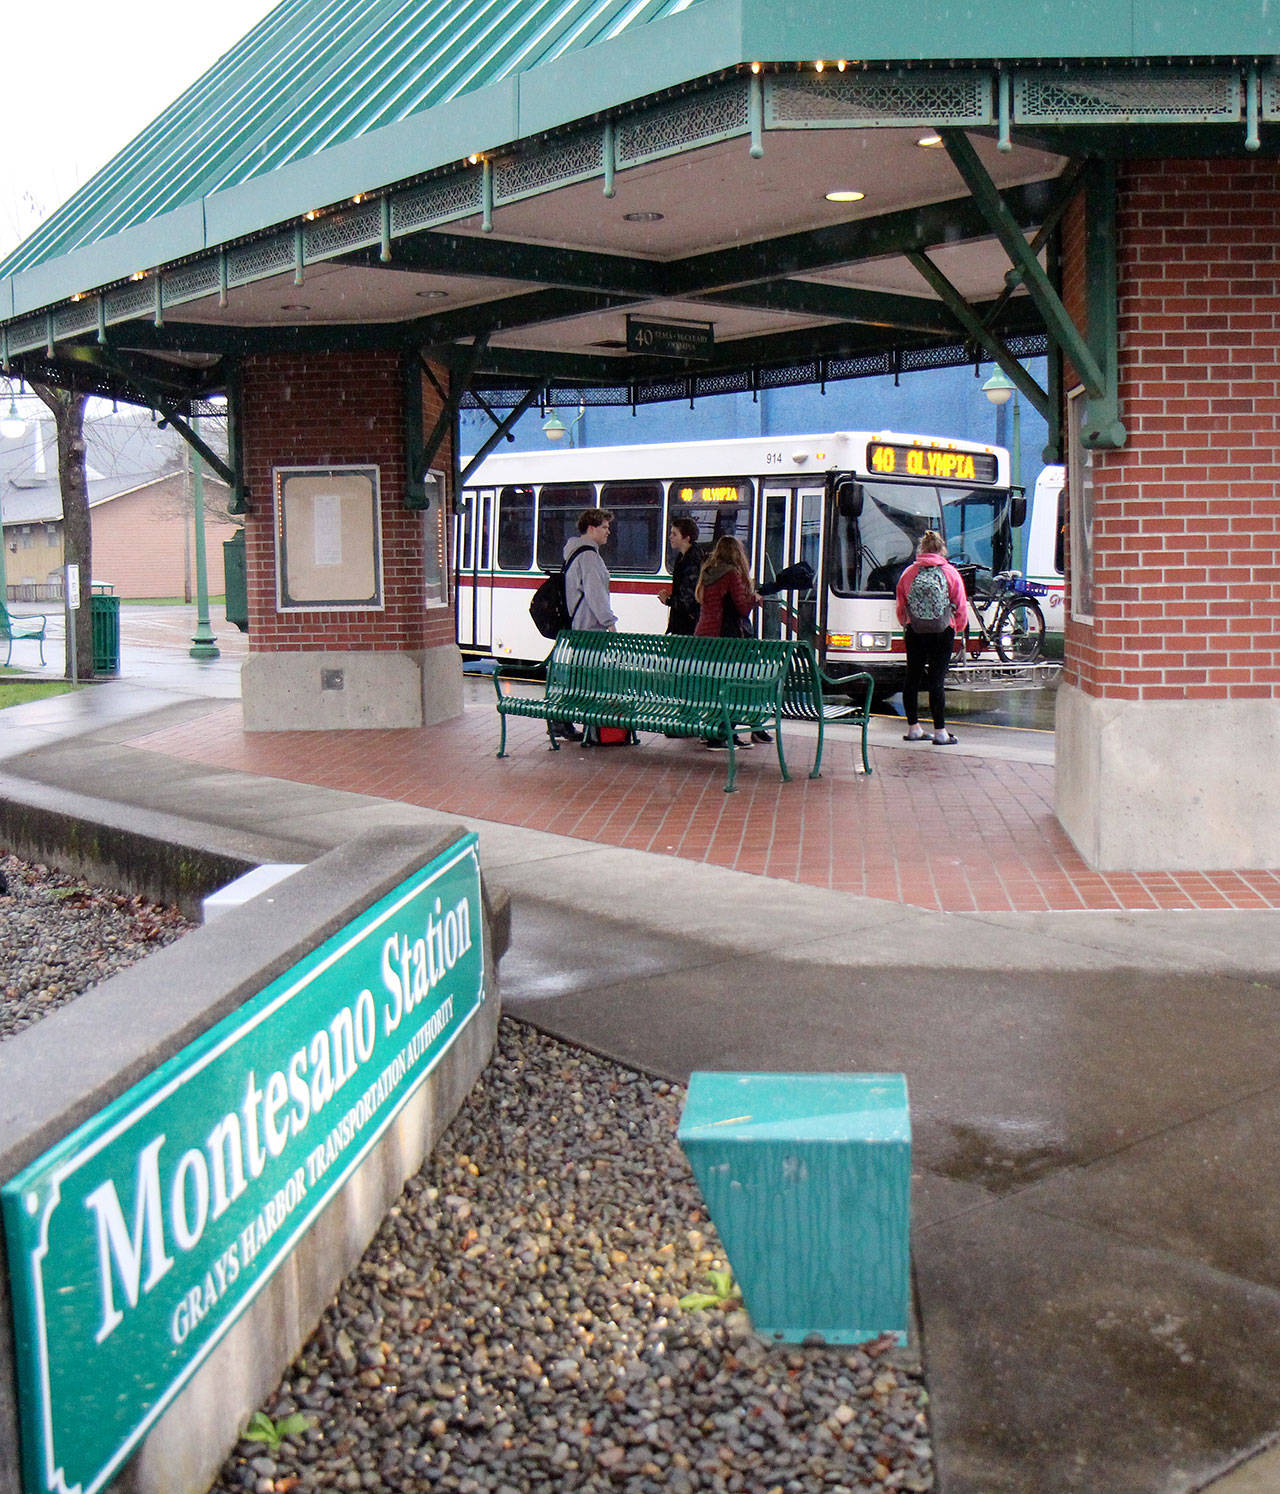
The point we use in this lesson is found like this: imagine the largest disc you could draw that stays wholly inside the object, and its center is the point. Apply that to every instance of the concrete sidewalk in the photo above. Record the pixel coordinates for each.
(1095, 1096)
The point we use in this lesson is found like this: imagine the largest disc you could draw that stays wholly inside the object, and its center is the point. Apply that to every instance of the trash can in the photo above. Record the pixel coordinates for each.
(104, 615)
(235, 581)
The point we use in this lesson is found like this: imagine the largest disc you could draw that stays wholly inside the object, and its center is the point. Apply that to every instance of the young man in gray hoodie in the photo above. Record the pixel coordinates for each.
(586, 580)
(586, 588)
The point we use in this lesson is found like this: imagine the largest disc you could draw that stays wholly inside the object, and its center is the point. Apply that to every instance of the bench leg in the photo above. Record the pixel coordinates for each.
(866, 761)
(502, 745)
(782, 761)
(551, 735)
(817, 757)
(41, 642)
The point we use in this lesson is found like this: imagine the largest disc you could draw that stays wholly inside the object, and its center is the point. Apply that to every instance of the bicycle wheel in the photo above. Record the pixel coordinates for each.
(1019, 631)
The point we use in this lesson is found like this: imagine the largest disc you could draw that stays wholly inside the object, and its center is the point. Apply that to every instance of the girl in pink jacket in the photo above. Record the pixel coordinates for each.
(929, 616)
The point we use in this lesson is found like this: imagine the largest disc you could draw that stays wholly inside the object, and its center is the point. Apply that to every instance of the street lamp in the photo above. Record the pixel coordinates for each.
(12, 424)
(554, 429)
(999, 389)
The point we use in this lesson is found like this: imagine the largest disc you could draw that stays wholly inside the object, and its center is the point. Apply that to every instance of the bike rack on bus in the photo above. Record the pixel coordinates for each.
(979, 675)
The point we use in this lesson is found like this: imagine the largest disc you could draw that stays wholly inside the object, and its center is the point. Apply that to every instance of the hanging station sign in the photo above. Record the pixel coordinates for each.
(671, 339)
(136, 1242)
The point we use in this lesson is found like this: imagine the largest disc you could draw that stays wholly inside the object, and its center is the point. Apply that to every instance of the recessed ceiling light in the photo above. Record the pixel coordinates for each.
(930, 142)
(432, 295)
(845, 196)
(643, 217)
(294, 306)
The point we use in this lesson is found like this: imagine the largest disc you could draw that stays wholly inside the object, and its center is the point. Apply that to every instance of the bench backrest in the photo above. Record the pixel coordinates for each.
(6, 627)
(667, 667)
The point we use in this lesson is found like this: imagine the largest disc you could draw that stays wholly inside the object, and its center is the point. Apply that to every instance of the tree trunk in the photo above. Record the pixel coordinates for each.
(77, 534)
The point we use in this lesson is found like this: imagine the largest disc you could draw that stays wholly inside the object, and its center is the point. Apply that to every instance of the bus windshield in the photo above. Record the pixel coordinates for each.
(869, 553)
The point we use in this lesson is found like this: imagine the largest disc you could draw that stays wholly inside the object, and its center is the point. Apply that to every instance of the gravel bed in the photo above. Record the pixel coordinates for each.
(58, 936)
(514, 1327)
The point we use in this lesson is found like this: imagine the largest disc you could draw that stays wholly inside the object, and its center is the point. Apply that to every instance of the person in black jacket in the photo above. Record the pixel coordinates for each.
(680, 597)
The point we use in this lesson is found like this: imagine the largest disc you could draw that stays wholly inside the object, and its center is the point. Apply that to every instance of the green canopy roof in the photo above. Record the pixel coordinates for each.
(315, 74)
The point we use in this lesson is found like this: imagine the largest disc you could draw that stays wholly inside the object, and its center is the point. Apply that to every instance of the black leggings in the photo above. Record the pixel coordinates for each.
(928, 657)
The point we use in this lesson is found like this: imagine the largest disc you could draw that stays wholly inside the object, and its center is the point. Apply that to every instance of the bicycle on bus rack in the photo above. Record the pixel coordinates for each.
(1005, 618)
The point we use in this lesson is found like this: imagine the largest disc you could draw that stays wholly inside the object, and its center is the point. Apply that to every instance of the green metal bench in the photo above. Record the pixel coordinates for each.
(811, 694)
(13, 628)
(681, 686)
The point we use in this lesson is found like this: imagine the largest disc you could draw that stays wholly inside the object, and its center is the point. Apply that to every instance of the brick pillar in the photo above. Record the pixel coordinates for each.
(388, 665)
(1168, 726)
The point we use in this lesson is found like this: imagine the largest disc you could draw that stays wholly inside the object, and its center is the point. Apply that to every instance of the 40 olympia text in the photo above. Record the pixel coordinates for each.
(176, 1200)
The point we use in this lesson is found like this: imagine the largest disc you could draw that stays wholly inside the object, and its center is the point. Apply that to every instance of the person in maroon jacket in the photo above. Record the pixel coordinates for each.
(928, 618)
(726, 600)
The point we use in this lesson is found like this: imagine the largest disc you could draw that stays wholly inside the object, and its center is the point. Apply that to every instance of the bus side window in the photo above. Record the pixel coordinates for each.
(1060, 533)
(466, 531)
(515, 529)
(559, 504)
(636, 543)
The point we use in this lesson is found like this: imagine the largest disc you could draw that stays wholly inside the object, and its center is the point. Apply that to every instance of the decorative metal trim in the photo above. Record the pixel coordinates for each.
(26, 335)
(1271, 94)
(813, 371)
(191, 282)
(559, 164)
(78, 317)
(1128, 95)
(460, 195)
(129, 301)
(700, 119)
(260, 260)
(342, 231)
(804, 101)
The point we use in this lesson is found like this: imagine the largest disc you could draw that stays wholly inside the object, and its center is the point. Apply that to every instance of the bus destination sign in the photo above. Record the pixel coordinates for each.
(926, 461)
(711, 492)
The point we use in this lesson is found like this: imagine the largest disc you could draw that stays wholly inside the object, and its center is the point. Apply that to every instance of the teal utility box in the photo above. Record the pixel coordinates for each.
(807, 1178)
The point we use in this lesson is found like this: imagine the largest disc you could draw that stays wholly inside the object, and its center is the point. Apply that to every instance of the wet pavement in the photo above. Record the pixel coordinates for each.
(1094, 1094)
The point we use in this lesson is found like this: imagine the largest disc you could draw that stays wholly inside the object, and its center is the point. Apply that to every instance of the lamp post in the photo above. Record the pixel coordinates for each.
(554, 429)
(12, 426)
(999, 388)
(203, 643)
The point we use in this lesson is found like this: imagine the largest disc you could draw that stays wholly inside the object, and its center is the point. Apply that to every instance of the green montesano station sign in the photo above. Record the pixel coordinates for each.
(136, 1243)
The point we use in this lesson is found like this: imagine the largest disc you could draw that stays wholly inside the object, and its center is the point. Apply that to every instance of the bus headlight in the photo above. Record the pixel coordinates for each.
(871, 641)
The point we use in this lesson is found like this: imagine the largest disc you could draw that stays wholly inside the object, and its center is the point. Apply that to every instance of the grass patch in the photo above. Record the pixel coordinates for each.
(20, 692)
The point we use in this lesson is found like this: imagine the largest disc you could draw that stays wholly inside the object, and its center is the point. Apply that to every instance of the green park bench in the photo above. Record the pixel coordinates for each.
(13, 628)
(683, 687)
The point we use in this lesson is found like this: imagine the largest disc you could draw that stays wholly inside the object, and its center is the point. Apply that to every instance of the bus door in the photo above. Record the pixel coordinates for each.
(474, 536)
(790, 531)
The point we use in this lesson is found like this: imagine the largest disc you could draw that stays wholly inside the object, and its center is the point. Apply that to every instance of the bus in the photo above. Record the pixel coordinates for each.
(1046, 557)
(852, 504)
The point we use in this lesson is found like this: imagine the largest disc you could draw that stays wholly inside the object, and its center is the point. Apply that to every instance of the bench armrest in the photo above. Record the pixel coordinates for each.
(845, 683)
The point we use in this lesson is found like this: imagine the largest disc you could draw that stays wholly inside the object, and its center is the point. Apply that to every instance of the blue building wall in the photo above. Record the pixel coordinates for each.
(941, 402)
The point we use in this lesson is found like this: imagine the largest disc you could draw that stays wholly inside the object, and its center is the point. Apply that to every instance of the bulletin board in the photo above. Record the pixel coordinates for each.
(328, 539)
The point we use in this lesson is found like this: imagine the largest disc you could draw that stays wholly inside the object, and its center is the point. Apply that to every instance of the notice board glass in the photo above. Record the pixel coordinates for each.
(328, 538)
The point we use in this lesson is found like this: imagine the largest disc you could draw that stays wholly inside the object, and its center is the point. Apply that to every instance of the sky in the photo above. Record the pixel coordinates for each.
(83, 78)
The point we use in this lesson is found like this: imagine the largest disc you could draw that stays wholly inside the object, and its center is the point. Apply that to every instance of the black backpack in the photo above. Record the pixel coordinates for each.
(549, 606)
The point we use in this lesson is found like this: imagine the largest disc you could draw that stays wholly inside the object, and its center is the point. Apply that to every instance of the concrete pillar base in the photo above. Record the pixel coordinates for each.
(1176, 785)
(347, 690)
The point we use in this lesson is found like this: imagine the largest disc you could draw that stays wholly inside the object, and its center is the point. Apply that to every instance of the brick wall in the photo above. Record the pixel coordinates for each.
(337, 410)
(140, 540)
(1187, 517)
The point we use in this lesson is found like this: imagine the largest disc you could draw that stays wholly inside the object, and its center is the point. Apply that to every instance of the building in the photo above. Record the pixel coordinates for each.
(140, 506)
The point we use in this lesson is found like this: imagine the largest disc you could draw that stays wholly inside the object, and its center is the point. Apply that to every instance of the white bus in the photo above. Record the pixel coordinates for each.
(1045, 566)
(853, 504)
